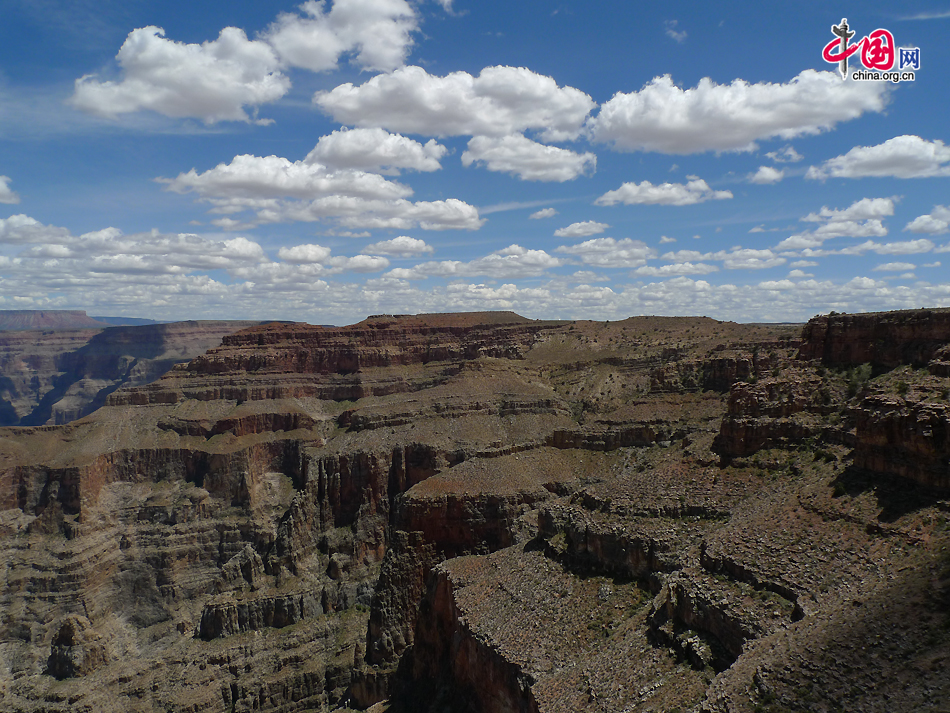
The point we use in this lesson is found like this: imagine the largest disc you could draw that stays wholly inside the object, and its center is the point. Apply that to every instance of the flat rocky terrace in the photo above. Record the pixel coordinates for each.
(487, 513)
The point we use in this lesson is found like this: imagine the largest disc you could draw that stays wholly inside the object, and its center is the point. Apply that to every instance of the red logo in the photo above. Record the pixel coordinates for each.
(877, 49)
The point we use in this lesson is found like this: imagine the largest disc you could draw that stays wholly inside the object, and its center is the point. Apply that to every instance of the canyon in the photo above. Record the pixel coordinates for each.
(57, 366)
(482, 512)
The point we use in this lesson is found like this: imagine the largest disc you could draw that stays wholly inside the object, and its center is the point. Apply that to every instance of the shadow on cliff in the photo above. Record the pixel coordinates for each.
(895, 496)
(881, 650)
(8, 414)
(110, 355)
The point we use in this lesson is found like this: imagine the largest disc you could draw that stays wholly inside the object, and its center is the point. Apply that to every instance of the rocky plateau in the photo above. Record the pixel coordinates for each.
(481, 512)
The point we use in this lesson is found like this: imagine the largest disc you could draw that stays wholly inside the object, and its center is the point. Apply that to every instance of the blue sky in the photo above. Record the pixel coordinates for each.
(328, 160)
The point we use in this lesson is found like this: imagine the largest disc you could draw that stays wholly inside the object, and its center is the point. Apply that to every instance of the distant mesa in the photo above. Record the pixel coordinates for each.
(22, 319)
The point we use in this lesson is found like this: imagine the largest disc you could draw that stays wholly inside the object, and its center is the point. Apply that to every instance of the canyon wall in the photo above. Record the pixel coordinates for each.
(482, 512)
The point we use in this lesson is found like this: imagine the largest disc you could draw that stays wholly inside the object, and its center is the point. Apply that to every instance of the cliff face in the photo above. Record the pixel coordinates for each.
(484, 513)
(58, 375)
(896, 422)
(883, 339)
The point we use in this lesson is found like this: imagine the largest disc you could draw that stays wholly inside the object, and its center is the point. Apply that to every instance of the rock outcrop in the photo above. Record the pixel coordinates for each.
(883, 339)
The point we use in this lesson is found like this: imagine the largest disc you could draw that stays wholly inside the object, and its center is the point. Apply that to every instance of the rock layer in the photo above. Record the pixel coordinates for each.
(485, 513)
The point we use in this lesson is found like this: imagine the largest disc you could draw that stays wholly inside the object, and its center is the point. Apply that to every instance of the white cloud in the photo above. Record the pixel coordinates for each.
(672, 33)
(908, 247)
(353, 212)
(311, 260)
(273, 176)
(786, 154)
(528, 159)
(6, 195)
(864, 209)
(749, 259)
(645, 193)
(302, 254)
(378, 31)
(800, 273)
(862, 219)
(737, 258)
(213, 81)
(678, 268)
(498, 102)
(934, 223)
(804, 263)
(360, 263)
(512, 262)
(582, 276)
(713, 117)
(21, 229)
(905, 156)
(581, 230)
(230, 224)
(608, 252)
(402, 246)
(355, 199)
(375, 150)
(895, 267)
(664, 240)
(543, 213)
(767, 175)
(60, 256)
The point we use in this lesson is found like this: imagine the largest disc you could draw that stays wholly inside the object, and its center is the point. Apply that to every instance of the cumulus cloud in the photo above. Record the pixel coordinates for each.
(677, 268)
(354, 198)
(401, 246)
(905, 156)
(696, 191)
(608, 252)
(6, 195)
(500, 101)
(786, 154)
(664, 240)
(738, 258)
(895, 267)
(749, 259)
(527, 159)
(767, 175)
(730, 117)
(379, 32)
(907, 247)
(64, 256)
(303, 254)
(543, 213)
(862, 219)
(274, 176)
(581, 230)
(377, 151)
(934, 223)
(512, 262)
(213, 81)
(21, 229)
(354, 212)
(864, 209)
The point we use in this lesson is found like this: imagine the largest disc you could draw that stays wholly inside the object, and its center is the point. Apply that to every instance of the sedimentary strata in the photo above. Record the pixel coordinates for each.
(484, 512)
